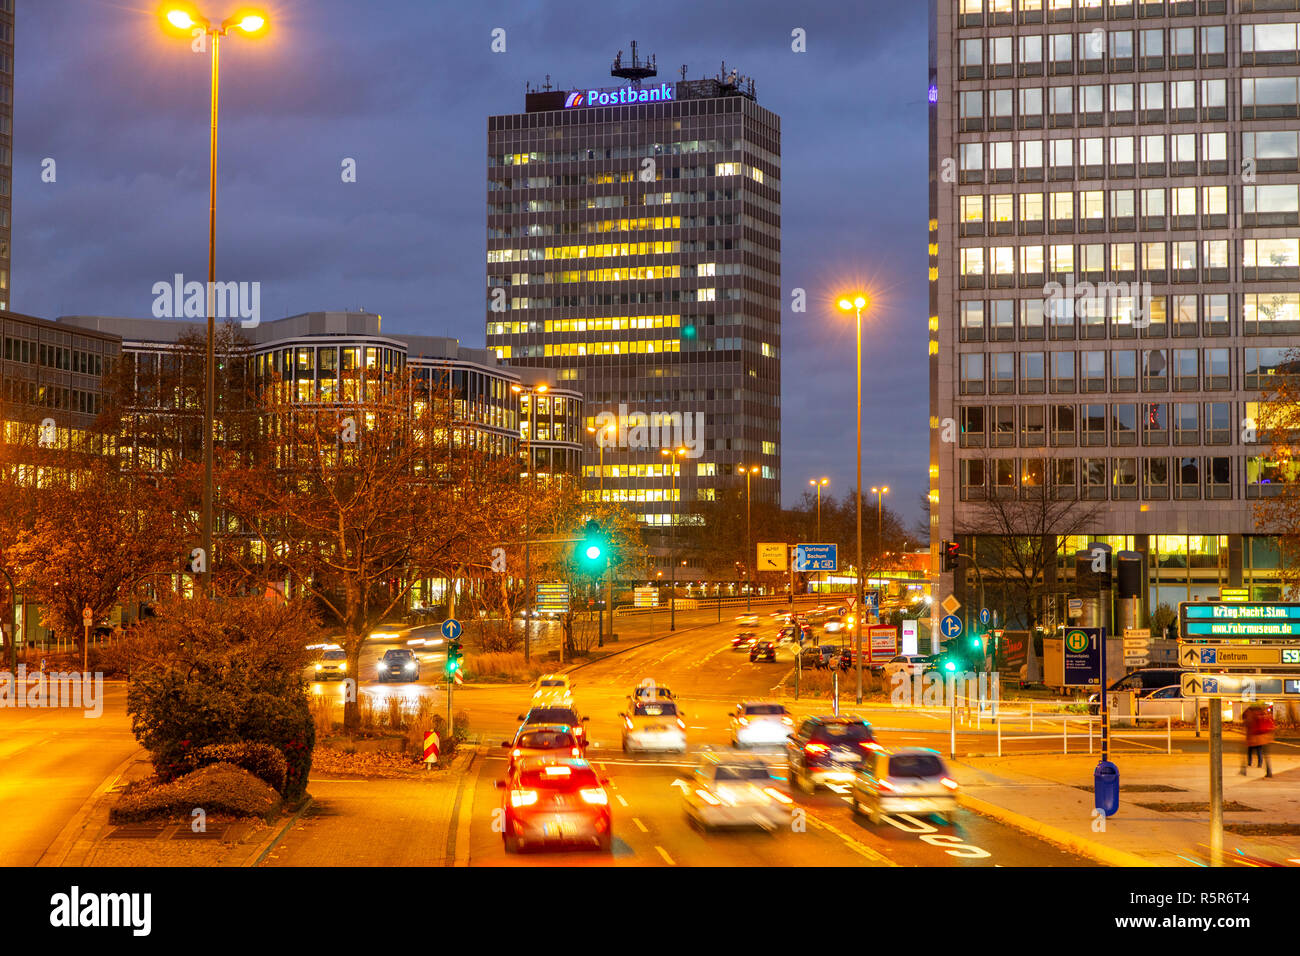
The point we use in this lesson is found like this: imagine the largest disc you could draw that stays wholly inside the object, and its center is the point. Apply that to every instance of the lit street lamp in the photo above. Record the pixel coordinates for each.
(181, 18)
(530, 391)
(858, 303)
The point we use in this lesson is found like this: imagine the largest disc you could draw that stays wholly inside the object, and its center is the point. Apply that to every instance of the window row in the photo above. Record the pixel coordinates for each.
(975, 13)
(1100, 479)
(1127, 210)
(1101, 425)
(1089, 311)
(1131, 370)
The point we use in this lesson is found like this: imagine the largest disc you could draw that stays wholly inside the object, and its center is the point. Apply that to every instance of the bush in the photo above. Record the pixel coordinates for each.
(219, 788)
(502, 666)
(261, 760)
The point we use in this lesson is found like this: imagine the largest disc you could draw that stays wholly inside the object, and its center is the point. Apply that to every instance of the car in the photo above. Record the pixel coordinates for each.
(653, 724)
(552, 686)
(794, 633)
(557, 713)
(819, 657)
(550, 800)
(908, 665)
(399, 663)
(747, 620)
(833, 624)
(332, 664)
(1144, 682)
(730, 790)
(827, 749)
(906, 780)
(1170, 702)
(763, 651)
(758, 722)
(743, 640)
(539, 740)
(816, 616)
(651, 691)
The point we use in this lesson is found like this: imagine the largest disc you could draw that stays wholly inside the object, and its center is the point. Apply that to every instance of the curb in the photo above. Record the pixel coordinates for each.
(61, 848)
(460, 852)
(275, 840)
(1062, 838)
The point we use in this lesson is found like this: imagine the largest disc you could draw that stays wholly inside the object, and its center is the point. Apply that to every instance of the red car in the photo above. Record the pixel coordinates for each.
(554, 800)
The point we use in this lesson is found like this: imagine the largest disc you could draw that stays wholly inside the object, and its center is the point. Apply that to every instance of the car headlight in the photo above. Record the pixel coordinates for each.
(410, 665)
(318, 666)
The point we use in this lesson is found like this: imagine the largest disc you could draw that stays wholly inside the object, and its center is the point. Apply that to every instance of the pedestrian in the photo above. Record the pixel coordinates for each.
(1260, 728)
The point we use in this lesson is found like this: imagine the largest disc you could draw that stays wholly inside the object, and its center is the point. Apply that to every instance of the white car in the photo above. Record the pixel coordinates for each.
(746, 620)
(833, 624)
(552, 687)
(756, 723)
(332, 664)
(653, 724)
(731, 790)
(907, 780)
(1170, 702)
(648, 689)
(906, 664)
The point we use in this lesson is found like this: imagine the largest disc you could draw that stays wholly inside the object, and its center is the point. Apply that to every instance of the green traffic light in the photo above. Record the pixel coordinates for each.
(593, 551)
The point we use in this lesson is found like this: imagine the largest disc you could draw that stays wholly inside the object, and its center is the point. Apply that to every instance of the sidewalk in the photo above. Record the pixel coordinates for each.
(1163, 817)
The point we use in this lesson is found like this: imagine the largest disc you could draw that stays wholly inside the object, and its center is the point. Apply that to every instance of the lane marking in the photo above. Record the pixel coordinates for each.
(664, 853)
(619, 798)
(639, 825)
(852, 844)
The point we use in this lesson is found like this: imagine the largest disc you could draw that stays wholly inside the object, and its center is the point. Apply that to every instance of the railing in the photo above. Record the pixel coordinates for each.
(708, 603)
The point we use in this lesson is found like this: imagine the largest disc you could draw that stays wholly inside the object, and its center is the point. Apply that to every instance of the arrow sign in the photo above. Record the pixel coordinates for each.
(1189, 655)
(451, 629)
(950, 626)
(685, 787)
(984, 615)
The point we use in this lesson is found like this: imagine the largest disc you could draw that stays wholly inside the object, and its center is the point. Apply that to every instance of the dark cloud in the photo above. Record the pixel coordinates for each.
(404, 88)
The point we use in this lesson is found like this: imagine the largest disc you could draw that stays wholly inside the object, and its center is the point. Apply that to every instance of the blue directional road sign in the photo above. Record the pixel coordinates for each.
(1081, 649)
(816, 557)
(950, 626)
(451, 629)
(984, 615)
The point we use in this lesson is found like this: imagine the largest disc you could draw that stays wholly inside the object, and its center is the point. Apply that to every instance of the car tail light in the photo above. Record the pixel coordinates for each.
(516, 752)
(813, 750)
(595, 796)
(628, 722)
(788, 721)
(885, 785)
(950, 783)
(575, 751)
(777, 795)
(523, 798)
(744, 721)
(708, 798)
(681, 723)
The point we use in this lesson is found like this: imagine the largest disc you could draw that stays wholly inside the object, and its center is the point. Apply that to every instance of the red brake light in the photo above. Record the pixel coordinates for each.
(884, 784)
(816, 749)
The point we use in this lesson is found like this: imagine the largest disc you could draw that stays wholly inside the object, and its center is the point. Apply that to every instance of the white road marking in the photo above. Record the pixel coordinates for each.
(640, 826)
(619, 798)
(664, 853)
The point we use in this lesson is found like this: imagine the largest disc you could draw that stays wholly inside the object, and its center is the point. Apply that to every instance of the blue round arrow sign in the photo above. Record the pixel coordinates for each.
(451, 629)
(950, 625)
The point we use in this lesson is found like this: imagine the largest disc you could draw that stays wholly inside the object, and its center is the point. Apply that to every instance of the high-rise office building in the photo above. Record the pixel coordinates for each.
(6, 142)
(1115, 271)
(634, 245)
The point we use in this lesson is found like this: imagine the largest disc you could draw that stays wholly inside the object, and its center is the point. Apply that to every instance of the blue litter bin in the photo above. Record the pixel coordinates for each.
(1105, 788)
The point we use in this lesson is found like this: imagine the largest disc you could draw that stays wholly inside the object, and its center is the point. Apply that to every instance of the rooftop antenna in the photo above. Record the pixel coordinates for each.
(682, 71)
(547, 85)
(637, 71)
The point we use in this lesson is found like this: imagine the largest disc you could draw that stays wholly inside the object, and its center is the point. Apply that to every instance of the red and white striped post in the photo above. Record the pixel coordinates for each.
(431, 742)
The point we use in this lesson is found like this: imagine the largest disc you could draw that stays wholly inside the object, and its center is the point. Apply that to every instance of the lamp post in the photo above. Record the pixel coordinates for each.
(858, 303)
(13, 635)
(601, 434)
(181, 19)
(819, 484)
(749, 544)
(530, 391)
(880, 537)
(675, 454)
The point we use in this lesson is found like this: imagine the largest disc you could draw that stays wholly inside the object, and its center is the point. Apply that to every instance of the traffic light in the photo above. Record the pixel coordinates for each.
(593, 550)
(453, 658)
(951, 555)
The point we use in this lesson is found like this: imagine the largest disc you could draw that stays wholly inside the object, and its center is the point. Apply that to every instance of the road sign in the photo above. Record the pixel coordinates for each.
(1074, 607)
(773, 556)
(646, 597)
(1082, 648)
(816, 557)
(87, 616)
(950, 626)
(1234, 595)
(1239, 655)
(984, 615)
(1210, 621)
(553, 598)
(430, 747)
(451, 629)
(1241, 686)
(871, 600)
(950, 605)
(1142, 661)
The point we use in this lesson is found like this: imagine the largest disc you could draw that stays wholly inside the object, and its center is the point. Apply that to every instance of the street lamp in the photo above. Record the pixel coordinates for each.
(676, 454)
(819, 484)
(182, 18)
(749, 545)
(530, 391)
(603, 433)
(858, 303)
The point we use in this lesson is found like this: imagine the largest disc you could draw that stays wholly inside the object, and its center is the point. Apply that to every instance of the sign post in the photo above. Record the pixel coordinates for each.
(451, 631)
(87, 616)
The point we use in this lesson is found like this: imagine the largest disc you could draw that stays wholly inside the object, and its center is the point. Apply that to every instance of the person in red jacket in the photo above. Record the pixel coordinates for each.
(1260, 728)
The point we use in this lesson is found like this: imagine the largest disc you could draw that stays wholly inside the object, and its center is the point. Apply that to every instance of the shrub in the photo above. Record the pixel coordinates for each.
(502, 666)
(261, 760)
(219, 788)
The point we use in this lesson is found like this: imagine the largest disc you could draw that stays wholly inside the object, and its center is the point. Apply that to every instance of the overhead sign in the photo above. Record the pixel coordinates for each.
(553, 597)
(663, 93)
(816, 557)
(1082, 648)
(1251, 622)
(773, 556)
(1239, 655)
(1241, 686)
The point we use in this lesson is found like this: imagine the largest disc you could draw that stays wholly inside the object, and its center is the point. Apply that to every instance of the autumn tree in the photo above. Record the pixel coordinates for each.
(1277, 474)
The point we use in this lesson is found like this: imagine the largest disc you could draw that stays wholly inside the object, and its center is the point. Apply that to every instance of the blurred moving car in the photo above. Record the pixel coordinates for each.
(730, 790)
(743, 640)
(653, 724)
(833, 624)
(907, 780)
(552, 686)
(332, 664)
(763, 651)
(540, 740)
(747, 620)
(398, 663)
(548, 800)
(758, 722)
(652, 691)
(557, 714)
(827, 749)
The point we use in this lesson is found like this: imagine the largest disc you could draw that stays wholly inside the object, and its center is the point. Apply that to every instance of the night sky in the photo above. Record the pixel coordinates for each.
(404, 88)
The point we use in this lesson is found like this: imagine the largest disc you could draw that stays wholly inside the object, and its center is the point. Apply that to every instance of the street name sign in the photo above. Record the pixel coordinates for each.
(1241, 686)
(816, 557)
(1239, 655)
